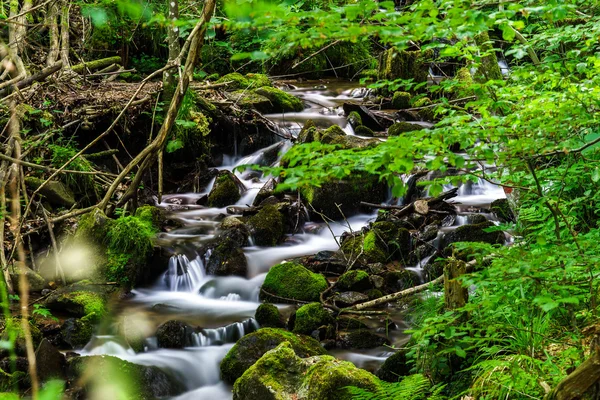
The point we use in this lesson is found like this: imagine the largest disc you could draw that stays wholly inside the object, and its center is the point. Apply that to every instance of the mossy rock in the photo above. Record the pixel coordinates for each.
(151, 214)
(254, 345)
(309, 133)
(311, 317)
(465, 81)
(247, 99)
(345, 322)
(79, 300)
(94, 226)
(354, 119)
(77, 332)
(281, 101)
(250, 81)
(57, 193)
(355, 280)
(134, 381)
(501, 208)
(332, 134)
(489, 70)
(394, 367)
(405, 64)
(362, 339)
(35, 281)
(227, 258)
(350, 298)
(384, 242)
(427, 113)
(266, 226)
(364, 131)
(225, 191)
(174, 335)
(292, 281)
(347, 193)
(473, 233)
(268, 316)
(401, 100)
(12, 328)
(281, 375)
(399, 128)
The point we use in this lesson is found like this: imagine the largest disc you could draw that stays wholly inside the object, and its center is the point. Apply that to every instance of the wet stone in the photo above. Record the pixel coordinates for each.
(347, 299)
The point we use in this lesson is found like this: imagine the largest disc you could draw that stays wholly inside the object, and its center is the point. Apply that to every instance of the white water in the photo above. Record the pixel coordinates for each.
(224, 306)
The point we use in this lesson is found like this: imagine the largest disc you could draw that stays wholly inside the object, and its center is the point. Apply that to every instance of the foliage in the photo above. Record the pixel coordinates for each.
(413, 387)
(84, 185)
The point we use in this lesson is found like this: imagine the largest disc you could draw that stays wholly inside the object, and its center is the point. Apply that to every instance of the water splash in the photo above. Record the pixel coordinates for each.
(226, 334)
(184, 275)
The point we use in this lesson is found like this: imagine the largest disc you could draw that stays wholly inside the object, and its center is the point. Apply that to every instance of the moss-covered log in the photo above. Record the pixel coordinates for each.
(96, 64)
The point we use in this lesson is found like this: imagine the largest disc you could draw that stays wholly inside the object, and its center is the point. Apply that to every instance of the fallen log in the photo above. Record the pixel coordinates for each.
(373, 120)
(580, 381)
(421, 206)
(40, 76)
(96, 64)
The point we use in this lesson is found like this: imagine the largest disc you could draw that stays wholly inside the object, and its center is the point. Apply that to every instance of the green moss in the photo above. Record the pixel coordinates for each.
(404, 64)
(384, 242)
(266, 226)
(151, 214)
(399, 128)
(282, 101)
(281, 374)
(354, 119)
(77, 332)
(426, 114)
(489, 70)
(129, 243)
(267, 315)
(83, 303)
(401, 100)
(224, 192)
(310, 317)
(250, 81)
(7, 396)
(94, 226)
(465, 80)
(355, 280)
(11, 330)
(502, 209)
(374, 294)
(293, 281)
(372, 249)
(252, 347)
(247, 99)
(364, 131)
(330, 134)
(133, 381)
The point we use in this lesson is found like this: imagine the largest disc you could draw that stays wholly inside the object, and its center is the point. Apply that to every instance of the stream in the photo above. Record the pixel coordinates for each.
(224, 306)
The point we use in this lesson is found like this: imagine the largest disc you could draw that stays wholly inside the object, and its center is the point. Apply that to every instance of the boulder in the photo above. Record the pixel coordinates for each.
(79, 300)
(384, 242)
(280, 100)
(35, 280)
(405, 64)
(280, 374)
(57, 193)
(268, 316)
(347, 299)
(363, 131)
(473, 233)
(311, 317)
(402, 127)
(347, 193)
(50, 362)
(401, 100)
(394, 367)
(247, 99)
(266, 227)
(501, 208)
(253, 346)
(354, 119)
(134, 381)
(225, 191)
(249, 81)
(292, 281)
(361, 339)
(355, 280)
(226, 259)
(174, 335)
(265, 192)
(77, 332)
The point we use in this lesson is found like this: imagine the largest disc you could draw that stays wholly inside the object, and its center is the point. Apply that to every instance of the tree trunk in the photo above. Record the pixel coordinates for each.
(455, 295)
(64, 34)
(169, 81)
(54, 33)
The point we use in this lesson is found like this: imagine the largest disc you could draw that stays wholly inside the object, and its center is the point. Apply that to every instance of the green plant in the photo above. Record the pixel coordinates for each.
(413, 387)
(38, 309)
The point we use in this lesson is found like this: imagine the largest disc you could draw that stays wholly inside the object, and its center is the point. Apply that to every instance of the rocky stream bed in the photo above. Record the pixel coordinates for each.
(246, 270)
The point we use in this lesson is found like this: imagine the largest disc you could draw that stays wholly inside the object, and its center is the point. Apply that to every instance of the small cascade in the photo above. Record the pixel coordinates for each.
(109, 345)
(225, 334)
(184, 275)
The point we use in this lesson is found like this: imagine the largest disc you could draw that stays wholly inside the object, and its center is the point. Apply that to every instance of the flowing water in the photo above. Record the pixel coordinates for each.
(224, 306)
